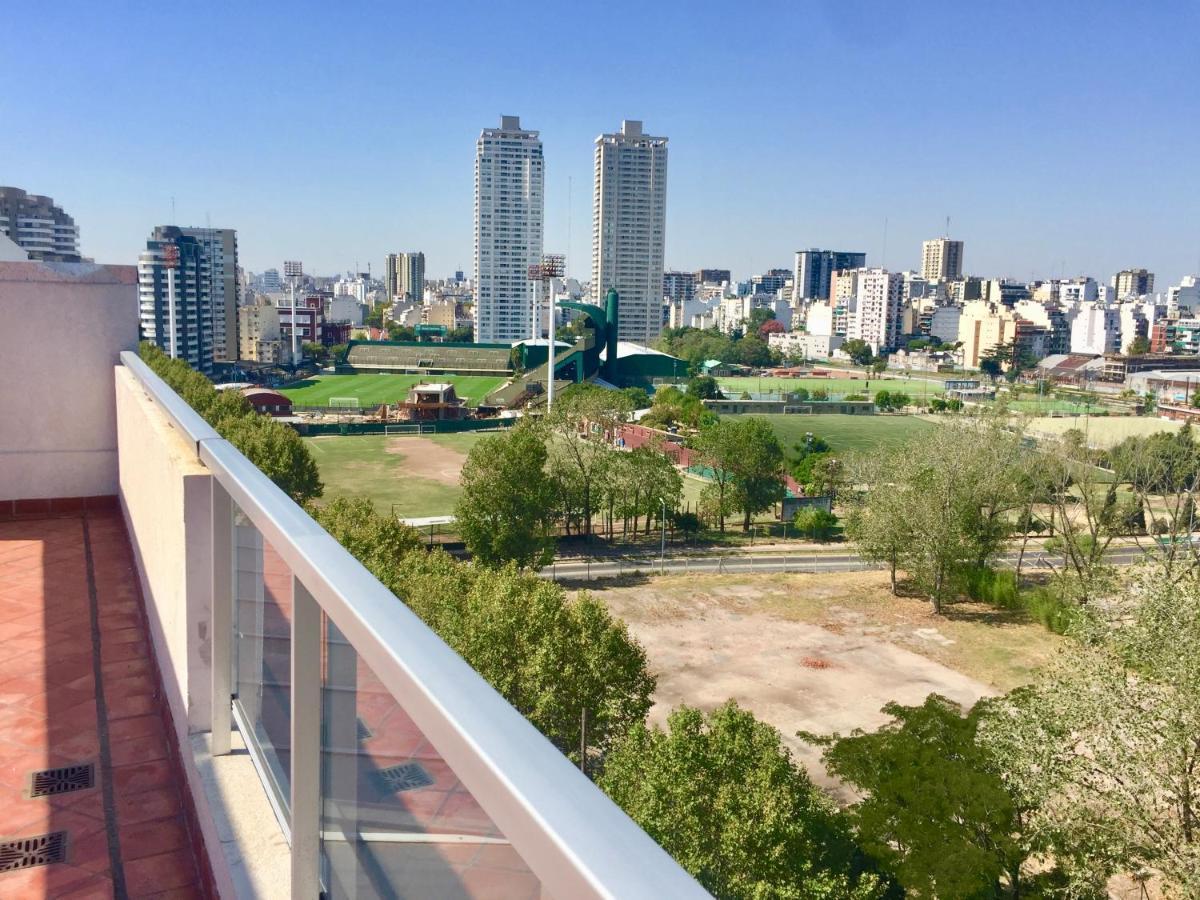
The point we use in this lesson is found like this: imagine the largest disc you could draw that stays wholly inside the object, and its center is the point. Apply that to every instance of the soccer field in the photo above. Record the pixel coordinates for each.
(410, 476)
(371, 390)
(848, 432)
(914, 387)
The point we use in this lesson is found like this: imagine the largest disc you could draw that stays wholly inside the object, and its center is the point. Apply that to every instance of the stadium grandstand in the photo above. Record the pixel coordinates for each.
(427, 358)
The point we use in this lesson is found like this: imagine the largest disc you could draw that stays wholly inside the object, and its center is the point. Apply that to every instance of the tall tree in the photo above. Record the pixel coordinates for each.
(757, 462)
(505, 511)
(585, 420)
(557, 660)
(934, 809)
(1105, 744)
(721, 794)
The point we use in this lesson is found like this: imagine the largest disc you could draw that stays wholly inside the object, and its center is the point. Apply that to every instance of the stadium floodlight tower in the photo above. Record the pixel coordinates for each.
(552, 266)
(170, 256)
(292, 270)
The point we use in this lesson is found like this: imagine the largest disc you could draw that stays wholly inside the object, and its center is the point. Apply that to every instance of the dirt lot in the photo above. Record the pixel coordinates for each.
(821, 653)
(424, 458)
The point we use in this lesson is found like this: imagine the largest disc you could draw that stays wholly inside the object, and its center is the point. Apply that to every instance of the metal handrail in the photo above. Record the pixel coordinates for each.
(572, 836)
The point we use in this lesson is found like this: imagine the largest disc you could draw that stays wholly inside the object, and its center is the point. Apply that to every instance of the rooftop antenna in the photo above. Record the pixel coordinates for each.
(947, 226)
(173, 222)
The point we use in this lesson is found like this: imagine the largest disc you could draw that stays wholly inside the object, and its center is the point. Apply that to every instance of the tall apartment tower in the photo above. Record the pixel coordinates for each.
(1132, 283)
(814, 270)
(404, 276)
(629, 227)
(509, 201)
(38, 226)
(877, 317)
(204, 294)
(941, 259)
(221, 250)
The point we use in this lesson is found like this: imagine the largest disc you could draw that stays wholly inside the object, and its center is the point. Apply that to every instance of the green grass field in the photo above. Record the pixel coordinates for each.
(410, 485)
(914, 387)
(371, 390)
(1049, 405)
(848, 432)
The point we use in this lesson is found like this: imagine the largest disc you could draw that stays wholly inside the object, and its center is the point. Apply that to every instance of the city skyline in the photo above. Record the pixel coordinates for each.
(1019, 152)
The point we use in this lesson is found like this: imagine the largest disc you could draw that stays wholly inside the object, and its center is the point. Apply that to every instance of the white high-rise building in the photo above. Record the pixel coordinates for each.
(629, 215)
(877, 318)
(508, 229)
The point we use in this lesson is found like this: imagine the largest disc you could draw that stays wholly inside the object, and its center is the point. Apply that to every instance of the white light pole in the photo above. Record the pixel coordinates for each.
(293, 269)
(552, 266)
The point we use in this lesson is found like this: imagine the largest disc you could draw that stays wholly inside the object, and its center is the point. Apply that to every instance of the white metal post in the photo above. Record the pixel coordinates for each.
(171, 310)
(221, 617)
(306, 744)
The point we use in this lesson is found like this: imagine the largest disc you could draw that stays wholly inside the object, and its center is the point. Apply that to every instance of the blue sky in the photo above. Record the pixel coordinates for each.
(1057, 136)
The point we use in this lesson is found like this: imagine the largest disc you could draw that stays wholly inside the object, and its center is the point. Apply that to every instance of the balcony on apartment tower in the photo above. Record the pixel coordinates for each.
(203, 694)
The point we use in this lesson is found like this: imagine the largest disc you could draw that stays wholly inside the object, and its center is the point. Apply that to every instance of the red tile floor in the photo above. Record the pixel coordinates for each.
(78, 685)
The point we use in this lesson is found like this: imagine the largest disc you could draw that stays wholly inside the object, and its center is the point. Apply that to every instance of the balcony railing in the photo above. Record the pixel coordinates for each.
(394, 769)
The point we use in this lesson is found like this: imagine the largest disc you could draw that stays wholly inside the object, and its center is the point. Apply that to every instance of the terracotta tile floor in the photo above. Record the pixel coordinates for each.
(127, 836)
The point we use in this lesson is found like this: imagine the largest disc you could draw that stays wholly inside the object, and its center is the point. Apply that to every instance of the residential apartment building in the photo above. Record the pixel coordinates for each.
(509, 199)
(205, 300)
(38, 226)
(1096, 329)
(1133, 283)
(941, 259)
(629, 227)
(221, 248)
(714, 276)
(877, 318)
(259, 336)
(813, 271)
(404, 276)
(983, 325)
(771, 282)
(679, 287)
(843, 298)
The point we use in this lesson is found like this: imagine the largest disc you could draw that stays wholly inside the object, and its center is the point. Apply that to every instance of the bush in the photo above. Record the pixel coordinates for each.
(275, 448)
(815, 522)
(1041, 603)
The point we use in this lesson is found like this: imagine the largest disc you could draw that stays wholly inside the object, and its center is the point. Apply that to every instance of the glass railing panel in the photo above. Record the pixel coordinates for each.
(396, 820)
(262, 656)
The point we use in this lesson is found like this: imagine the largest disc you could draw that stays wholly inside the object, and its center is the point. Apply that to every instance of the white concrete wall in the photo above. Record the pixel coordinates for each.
(166, 497)
(64, 327)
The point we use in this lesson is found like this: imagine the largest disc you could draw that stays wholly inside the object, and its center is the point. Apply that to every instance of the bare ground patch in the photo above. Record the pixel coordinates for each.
(819, 653)
(427, 459)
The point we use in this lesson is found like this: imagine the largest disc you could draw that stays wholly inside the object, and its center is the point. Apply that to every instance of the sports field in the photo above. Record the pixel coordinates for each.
(915, 387)
(371, 390)
(411, 476)
(848, 432)
(1101, 431)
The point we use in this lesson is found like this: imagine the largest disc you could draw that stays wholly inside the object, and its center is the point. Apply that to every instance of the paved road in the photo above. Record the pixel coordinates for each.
(608, 567)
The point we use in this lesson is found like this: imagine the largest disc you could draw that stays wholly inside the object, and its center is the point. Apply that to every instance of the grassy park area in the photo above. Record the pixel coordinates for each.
(371, 390)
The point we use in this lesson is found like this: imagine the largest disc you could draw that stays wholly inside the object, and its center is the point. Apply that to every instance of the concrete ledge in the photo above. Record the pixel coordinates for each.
(254, 851)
